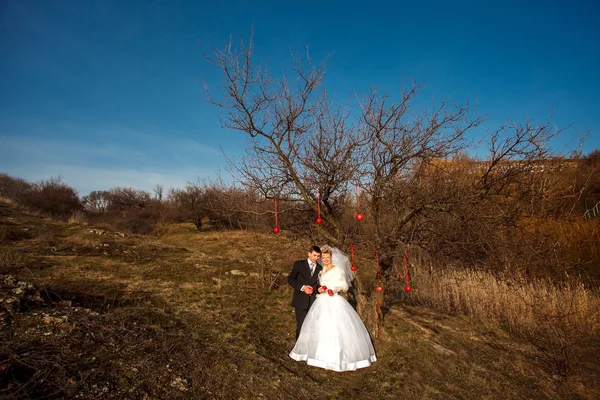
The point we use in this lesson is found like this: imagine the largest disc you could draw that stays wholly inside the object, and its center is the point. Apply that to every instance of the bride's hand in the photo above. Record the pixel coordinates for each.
(322, 289)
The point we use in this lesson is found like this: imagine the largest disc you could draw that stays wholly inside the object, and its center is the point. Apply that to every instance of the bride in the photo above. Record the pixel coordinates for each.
(333, 336)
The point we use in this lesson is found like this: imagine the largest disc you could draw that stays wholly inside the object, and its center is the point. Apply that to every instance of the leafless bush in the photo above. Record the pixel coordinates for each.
(13, 188)
(518, 222)
(587, 183)
(219, 206)
(142, 221)
(53, 197)
(188, 202)
(98, 201)
(269, 278)
(128, 210)
(128, 198)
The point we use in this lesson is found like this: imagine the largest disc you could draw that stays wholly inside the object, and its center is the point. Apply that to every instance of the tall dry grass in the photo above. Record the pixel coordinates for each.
(561, 319)
(517, 305)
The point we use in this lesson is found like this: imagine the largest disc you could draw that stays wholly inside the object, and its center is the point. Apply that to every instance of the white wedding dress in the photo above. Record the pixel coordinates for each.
(332, 335)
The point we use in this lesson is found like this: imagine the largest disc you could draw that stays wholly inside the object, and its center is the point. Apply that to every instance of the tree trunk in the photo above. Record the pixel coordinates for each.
(198, 223)
(368, 306)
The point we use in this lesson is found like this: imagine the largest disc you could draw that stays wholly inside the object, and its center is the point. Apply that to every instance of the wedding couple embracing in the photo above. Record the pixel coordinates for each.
(329, 333)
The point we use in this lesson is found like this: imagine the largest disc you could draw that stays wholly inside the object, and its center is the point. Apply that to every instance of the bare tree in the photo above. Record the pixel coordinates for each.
(158, 191)
(304, 148)
(98, 201)
(125, 199)
(190, 200)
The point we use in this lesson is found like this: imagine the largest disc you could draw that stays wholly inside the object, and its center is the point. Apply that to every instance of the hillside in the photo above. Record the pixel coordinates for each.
(206, 315)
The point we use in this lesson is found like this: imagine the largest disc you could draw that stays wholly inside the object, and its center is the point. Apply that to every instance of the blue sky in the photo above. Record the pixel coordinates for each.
(108, 92)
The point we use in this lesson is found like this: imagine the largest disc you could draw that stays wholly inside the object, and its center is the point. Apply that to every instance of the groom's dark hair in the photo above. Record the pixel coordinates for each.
(315, 249)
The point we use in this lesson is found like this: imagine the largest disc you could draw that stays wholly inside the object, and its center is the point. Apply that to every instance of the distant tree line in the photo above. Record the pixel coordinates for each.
(206, 205)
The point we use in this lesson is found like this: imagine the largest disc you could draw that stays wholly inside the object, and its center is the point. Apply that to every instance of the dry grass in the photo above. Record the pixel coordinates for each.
(10, 259)
(562, 319)
(518, 305)
(165, 317)
(77, 217)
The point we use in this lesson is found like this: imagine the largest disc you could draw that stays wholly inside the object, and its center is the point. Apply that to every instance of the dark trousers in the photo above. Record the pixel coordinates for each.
(300, 315)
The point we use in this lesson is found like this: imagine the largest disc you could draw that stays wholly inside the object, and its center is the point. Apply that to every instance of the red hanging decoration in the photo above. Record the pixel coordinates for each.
(380, 301)
(353, 267)
(276, 229)
(379, 315)
(359, 216)
(407, 287)
(319, 220)
(379, 288)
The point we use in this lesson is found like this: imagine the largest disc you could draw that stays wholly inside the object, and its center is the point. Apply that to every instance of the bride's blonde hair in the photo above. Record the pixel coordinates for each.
(326, 250)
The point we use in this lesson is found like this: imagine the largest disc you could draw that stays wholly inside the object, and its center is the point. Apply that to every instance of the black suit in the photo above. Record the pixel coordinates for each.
(300, 276)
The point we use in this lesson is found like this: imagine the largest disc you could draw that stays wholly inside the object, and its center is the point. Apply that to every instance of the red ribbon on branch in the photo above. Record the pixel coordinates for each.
(379, 287)
(380, 301)
(276, 229)
(319, 220)
(353, 267)
(407, 287)
(359, 216)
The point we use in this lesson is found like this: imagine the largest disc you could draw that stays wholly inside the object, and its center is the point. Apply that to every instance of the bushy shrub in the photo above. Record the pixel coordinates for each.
(14, 188)
(53, 197)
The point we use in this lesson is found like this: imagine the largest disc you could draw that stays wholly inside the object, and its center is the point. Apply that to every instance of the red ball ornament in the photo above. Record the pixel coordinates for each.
(360, 217)
(319, 220)
(330, 292)
(408, 288)
(324, 287)
(379, 289)
(275, 230)
(353, 268)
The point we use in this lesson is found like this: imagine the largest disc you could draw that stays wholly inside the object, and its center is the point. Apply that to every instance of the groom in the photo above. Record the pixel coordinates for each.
(304, 279)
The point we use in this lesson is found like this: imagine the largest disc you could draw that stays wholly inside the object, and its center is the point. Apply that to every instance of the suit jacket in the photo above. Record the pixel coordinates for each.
(300, 276)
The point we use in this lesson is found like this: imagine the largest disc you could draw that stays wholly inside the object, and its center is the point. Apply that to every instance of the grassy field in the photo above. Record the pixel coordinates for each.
(93, 314)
